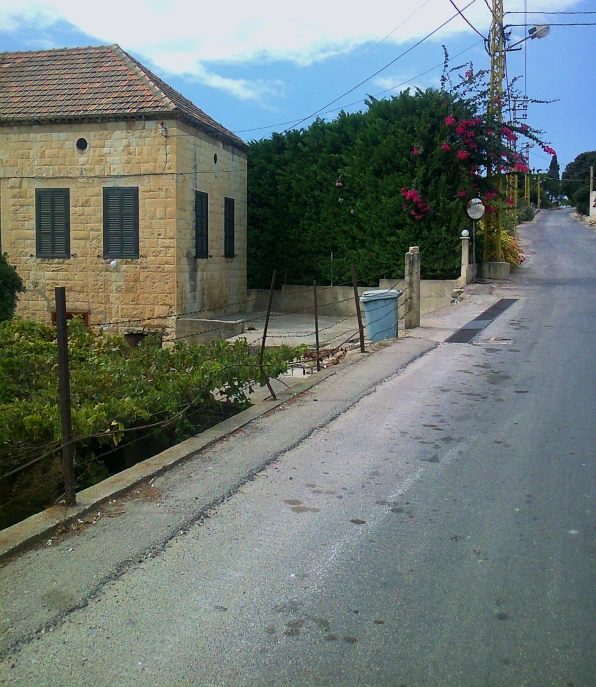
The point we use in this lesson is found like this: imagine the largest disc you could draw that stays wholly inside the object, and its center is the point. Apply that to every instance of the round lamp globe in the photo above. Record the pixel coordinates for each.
(475, 209)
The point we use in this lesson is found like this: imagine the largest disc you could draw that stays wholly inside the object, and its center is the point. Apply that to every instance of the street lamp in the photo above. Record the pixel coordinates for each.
(475, 210)
(540, 31)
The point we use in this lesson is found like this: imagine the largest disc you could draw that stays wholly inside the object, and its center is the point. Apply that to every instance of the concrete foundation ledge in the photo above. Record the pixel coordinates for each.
(495, 270)
(197, 331)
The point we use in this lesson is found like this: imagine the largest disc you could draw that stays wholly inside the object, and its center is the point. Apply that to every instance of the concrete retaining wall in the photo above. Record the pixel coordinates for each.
(339, 300)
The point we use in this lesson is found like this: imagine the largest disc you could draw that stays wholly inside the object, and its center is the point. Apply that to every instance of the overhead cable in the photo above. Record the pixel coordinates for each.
(368, 78)
(357, 102)
(468, 22)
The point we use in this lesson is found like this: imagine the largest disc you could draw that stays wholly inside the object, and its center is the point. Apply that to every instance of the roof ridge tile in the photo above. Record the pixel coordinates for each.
(133, 65)
(103, 81)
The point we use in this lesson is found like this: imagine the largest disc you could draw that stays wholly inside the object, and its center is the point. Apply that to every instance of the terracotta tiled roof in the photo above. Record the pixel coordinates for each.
(82, 83)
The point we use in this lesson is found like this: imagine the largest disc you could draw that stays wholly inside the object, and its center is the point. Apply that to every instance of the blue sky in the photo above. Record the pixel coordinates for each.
(258, 64)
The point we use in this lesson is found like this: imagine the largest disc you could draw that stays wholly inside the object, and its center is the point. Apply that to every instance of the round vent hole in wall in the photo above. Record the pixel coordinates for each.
(82, 144)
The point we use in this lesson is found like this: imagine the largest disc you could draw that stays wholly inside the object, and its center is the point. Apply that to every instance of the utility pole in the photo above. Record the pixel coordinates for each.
(493, 221)
(538, 194)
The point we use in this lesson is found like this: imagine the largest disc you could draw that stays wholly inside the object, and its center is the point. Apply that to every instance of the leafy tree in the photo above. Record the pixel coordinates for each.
(368, 185)
(10, 285)
(551, 181)
(577, 173)
(553, 168)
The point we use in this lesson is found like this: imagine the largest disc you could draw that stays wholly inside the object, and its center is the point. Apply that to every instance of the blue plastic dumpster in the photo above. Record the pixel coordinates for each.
(380, 310)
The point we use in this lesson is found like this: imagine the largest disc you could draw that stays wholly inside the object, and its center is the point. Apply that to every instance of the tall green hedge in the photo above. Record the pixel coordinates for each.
(337, 187)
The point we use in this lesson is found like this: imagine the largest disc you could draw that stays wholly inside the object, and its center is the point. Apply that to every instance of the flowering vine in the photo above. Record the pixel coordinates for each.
(416, 206)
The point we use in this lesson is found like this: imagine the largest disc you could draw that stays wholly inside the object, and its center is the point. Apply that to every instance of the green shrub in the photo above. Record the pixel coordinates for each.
(114, 391)
(10, 285)
(524, 212)
(581, 200)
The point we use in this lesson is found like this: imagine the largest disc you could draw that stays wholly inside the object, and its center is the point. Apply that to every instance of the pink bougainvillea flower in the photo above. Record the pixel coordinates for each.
(450, 120)
(446, 147)
(462, 194)
(509, 201)
(469, 74)
(520, 167)
(490, 194)
(416, 151)
(462, 154)
(523, 127)
(459, 129)
(549, 151)
(490, 208)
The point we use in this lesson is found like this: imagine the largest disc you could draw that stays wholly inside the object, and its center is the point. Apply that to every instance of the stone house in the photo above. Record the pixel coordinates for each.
(115, 186)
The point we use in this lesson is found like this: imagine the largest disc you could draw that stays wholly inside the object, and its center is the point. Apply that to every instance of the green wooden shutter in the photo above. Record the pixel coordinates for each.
(52, 222)
(229, 228)
(121, 222)
(201, 225)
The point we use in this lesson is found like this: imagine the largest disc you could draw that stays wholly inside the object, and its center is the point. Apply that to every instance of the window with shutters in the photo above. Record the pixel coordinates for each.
(229, 228)
(52, 222)
(201, 225)
(121, 222)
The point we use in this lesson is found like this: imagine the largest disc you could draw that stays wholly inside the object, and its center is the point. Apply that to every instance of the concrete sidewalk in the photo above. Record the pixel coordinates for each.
(137, 513)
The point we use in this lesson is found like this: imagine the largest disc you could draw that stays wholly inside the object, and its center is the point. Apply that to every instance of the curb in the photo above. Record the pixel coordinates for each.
(40, 526)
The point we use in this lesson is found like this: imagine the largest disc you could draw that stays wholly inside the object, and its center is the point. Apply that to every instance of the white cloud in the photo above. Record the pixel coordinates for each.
(400, 81)
(243, 89)
(180, 37)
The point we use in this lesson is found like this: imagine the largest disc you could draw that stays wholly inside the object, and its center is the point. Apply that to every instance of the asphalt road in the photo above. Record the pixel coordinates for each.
(439, 532)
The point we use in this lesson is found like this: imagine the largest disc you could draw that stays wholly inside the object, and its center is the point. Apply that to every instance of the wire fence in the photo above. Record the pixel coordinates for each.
(338, 338)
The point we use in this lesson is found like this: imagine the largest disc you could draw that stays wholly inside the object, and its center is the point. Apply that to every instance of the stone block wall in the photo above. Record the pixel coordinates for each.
(167, 164)
(215, 285)
(118, 154)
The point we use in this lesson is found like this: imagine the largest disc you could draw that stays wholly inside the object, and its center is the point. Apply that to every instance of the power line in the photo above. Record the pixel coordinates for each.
(376, 45)
(565, 24)
(490, 9)
(467, 20)
(403, 54)
(362, 100)
(541, 12)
